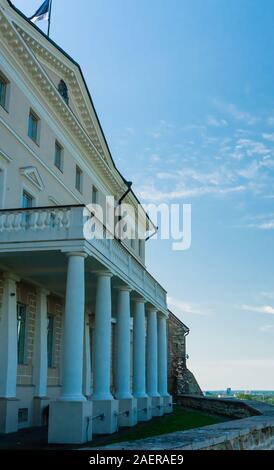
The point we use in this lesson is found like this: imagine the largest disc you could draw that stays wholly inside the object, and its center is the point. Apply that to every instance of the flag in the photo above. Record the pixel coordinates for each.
(42, 13)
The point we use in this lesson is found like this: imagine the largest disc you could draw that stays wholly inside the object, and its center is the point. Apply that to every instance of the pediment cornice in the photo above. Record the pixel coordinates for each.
(70, 76)
(26, 58)
(33, 175)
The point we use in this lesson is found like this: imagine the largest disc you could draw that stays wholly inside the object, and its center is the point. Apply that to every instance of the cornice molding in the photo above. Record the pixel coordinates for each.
(5, 156)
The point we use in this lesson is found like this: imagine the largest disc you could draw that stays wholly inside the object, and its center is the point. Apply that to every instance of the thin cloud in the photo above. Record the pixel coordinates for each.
(268, 309)
(181, 307)
(268, 295)
(152, 194)
(215, 122)
(266, 328)
(269, 137)
(234, 112)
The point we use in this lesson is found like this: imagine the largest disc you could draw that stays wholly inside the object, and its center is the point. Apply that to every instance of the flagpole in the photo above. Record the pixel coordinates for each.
(49, 21)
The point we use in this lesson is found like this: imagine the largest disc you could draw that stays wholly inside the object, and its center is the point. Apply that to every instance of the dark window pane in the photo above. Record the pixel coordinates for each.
(50, 340)
(33, 127)
(63, 90)
(58, 156)
(21, 332)
(3, 92)
(79, 176)
(94, 195)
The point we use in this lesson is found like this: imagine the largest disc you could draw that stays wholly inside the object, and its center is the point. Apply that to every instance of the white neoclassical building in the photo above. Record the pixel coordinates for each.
(83, 335)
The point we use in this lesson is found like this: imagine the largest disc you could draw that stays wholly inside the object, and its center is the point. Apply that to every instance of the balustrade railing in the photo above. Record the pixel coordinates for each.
(66, 223)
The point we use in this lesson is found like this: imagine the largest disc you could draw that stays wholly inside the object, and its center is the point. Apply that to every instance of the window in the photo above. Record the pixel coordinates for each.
(33, 127)
(3, 91)
(27, 200)
(94, 195)
(50, 339)
(21, 332)
(63, 90)
(23, 415)
(79, 179)
(26, 204)
(59, 160)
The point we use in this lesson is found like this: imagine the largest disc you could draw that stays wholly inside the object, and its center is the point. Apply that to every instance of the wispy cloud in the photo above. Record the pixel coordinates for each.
(234, 112)
(151, 193)
(216, 122)
(182, 307)
(266, 328)
(269, 137)
(261, 222)
(267, 295)
(268, 309)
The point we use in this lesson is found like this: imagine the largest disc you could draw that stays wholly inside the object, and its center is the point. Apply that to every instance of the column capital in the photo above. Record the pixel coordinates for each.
(139, 300)
(9, 276)
(43, 291)
(162, 315)
(123, 288)
(77, 253)
(102, 273)
(152, 309)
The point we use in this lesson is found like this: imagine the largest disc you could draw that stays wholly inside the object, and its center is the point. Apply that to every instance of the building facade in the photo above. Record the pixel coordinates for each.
(83, 324)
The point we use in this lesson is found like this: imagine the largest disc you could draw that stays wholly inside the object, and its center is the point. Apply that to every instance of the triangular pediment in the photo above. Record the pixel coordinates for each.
(32, 174)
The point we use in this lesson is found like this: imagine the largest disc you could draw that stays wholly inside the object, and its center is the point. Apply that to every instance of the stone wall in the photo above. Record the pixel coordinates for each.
(218, 406)
(180, 379)
(256, 433)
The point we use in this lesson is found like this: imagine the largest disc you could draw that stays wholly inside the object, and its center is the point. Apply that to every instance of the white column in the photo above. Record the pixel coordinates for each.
(152, 355)
(74, 329)
(162, 355)
(102, 338)
(8, 338)
(122, 378)
(87, 359)
(139, 349)
(41, 345)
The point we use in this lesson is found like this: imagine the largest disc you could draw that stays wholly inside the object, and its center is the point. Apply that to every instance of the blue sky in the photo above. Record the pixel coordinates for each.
(185, 93)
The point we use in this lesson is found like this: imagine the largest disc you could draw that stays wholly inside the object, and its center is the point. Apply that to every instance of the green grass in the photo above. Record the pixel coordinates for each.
(180, 420)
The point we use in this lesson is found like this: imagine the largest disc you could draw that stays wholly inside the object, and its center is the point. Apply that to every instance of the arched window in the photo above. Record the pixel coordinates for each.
(63, 90)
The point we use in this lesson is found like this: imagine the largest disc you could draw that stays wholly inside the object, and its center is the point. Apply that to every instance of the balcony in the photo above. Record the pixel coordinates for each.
(61, 228)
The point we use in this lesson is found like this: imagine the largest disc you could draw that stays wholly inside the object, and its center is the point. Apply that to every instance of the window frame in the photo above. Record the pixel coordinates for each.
(79, 171)
(33, 115)
(61, 148)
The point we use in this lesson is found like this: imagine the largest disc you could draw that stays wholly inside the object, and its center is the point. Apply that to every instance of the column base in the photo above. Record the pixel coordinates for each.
(70, 422)
(157, 404)
(144, 409)
(105, 416)
(40, 411)
(168, 407)
(8, 415)
(127, 412)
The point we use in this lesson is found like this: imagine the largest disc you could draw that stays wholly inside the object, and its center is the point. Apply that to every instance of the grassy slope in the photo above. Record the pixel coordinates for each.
(180, 420)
